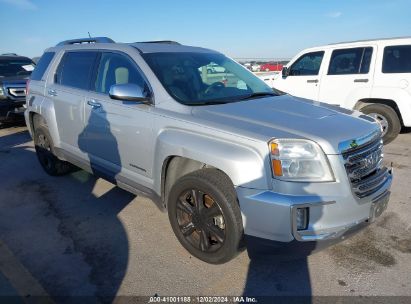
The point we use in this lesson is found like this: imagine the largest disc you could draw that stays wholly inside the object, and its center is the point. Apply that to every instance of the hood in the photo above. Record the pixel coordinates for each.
(289, 117)
(15, 79)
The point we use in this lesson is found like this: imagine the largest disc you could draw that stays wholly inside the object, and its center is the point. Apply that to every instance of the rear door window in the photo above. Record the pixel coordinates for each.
(350, 61)
(42, 65)
(307, 65)
(75, 69)
(397, 59)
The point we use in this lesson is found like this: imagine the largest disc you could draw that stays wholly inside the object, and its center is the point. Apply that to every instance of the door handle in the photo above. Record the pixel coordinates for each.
(360, 80)
(52, 92)
(94, 104)
(312, 80)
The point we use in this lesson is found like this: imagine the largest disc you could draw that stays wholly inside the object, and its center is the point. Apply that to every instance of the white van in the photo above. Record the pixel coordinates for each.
(373, 76)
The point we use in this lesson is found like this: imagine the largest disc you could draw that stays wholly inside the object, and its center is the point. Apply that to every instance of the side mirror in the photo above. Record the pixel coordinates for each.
(128, 92)
(285, 72)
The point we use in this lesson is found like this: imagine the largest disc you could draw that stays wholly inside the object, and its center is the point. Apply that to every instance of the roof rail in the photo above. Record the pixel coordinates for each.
(86, 40)
(161, 41)
(9, 54)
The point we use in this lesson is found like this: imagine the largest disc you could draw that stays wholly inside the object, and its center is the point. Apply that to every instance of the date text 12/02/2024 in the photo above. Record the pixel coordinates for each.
(201, 299)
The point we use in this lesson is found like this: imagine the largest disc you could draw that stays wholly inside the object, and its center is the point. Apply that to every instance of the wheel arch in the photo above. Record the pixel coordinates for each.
(36, 119)
(388, 102)
(175, 167)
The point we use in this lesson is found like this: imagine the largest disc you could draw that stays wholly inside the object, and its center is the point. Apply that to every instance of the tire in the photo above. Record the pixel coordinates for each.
(205, 215)
(45, 153)
(387, 117)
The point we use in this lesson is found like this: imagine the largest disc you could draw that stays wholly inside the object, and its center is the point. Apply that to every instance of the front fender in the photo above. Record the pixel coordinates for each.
(244, 165)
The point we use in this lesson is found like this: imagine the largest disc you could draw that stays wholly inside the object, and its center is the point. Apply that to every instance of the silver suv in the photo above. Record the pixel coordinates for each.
(227, 158)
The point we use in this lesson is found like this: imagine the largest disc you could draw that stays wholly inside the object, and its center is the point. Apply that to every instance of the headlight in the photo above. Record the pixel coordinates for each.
(2, 95)
(299, 160)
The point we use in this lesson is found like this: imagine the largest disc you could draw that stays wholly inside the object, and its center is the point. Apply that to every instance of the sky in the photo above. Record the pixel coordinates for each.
(240, 29)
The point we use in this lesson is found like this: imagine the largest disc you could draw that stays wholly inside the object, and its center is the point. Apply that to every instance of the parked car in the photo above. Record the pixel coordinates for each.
(271, 66)
(14, 72)
(247, 65)
(255, 67)
(229, 161)
(372, 76)
(214, 68)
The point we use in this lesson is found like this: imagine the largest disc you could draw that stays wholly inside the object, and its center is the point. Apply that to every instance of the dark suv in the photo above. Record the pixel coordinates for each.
(14, 72)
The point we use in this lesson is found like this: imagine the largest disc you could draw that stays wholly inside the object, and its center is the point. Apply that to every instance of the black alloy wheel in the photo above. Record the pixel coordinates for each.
(201, 220)
(205, 215)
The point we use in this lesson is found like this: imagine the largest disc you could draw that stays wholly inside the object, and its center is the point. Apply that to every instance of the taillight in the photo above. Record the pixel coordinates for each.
(27, 87)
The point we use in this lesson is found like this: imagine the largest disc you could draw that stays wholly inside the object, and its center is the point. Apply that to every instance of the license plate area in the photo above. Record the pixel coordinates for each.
(379, 206)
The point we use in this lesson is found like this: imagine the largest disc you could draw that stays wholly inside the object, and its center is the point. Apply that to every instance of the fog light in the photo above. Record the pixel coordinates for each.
(301, 218)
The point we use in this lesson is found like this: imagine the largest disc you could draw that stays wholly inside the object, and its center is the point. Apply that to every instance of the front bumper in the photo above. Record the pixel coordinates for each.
(270, 217)
(296, 249)
(11, 108)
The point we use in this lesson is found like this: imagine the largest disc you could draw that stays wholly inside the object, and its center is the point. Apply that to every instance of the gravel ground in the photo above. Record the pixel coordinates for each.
(81, 236)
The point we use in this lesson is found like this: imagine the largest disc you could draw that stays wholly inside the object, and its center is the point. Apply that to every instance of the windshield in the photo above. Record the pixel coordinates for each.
(205, 78)
(15, 67)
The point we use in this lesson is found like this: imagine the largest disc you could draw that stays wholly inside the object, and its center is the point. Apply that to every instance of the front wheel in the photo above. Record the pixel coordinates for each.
(387, 118)
(205, 215)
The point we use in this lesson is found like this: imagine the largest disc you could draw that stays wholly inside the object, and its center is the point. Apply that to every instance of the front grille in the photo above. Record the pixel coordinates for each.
(364, 167)
(17, 92)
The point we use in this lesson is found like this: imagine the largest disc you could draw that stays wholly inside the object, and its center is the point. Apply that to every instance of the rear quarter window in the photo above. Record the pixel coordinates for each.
(75, 69)
(397, 59)
(42, 65)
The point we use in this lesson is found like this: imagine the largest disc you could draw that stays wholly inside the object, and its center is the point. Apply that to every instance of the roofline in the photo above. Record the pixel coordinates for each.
(159, 41)
(87, 43)
(368, 40)
(137, 46)
(9, 54)
(15, 57)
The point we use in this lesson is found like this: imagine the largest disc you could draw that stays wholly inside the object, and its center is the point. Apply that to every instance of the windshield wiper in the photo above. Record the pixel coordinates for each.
(223, 101)
(258, 94)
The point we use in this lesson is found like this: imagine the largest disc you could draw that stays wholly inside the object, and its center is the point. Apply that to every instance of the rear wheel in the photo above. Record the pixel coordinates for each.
(387, 118)
(205, 215)
(45, 153)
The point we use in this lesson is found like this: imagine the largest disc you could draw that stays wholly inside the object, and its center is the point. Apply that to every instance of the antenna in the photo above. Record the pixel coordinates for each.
(89, 36)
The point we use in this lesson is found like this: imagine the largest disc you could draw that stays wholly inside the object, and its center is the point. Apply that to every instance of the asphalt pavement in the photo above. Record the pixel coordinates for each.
(80, 236)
